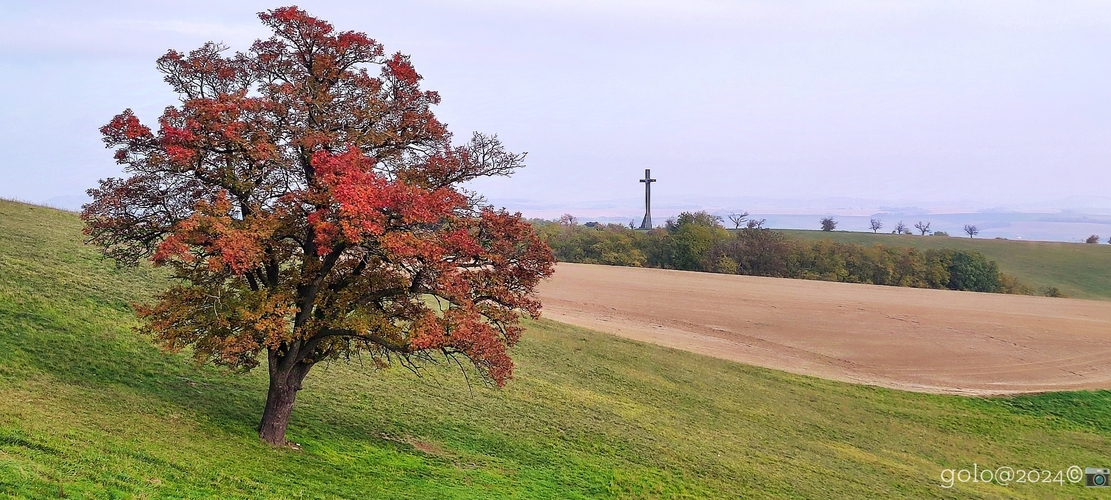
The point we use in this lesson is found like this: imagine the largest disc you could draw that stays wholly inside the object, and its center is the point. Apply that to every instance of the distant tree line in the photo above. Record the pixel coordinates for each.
(696, 241)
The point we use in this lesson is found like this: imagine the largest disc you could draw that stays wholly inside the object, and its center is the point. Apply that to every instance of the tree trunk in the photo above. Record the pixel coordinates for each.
(284, 384)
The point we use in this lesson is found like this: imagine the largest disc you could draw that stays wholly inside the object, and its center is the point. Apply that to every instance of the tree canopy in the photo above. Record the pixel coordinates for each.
(311, 210)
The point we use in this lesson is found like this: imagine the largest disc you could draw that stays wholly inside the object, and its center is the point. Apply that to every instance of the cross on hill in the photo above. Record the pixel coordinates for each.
(647, 180)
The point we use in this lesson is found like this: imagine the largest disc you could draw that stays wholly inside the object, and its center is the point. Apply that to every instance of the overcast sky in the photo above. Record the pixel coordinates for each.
(976, 104)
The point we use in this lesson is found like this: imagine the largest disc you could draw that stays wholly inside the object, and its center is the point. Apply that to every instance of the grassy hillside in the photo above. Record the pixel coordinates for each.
(89, 409)
(1079, 270)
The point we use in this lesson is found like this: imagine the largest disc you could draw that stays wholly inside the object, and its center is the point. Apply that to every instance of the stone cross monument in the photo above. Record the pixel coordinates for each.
(647, 180)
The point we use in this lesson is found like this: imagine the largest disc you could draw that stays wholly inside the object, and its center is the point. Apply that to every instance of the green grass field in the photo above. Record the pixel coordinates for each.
(90, 409)
(1079, 270)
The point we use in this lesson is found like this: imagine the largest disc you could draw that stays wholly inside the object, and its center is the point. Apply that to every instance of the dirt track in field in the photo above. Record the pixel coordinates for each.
(920, 340)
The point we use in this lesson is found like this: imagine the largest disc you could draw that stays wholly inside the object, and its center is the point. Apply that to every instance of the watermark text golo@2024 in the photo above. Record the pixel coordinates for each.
(1005, 475)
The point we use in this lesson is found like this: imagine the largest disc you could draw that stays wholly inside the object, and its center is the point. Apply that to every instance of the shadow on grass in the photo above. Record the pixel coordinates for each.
(17, 438)
(87, 347)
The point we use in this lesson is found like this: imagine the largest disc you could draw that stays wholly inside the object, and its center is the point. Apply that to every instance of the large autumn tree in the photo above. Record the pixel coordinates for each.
(312, 210)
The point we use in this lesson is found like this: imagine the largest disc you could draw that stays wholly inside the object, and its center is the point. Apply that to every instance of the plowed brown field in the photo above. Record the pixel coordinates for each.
(904, 338)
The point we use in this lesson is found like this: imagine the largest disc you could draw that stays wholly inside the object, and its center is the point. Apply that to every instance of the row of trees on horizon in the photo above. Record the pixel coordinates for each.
(923, 228)
(743, 220)
(826, 223)
(697, 241)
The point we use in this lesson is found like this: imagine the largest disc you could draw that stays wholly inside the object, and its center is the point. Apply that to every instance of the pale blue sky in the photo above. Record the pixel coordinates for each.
(942, 105)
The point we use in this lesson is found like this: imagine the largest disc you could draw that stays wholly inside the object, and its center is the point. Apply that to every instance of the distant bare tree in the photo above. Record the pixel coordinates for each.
(568, 220)
(738, 219)
(756, 224)
(828, 224)
(632, 224)
(876, 225)
(971, 230)
(1093, 239)
(922, 228)
(901, 228)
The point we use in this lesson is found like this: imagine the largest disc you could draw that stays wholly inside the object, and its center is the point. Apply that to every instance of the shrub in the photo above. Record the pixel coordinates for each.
(972, 271)
(690, 243)
(1010, 284)
(725, 265)
(1093, 239)
(760, 252)
(1051, 291)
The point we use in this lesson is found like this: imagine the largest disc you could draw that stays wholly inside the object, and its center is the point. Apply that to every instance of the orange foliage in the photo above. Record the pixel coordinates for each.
(309, 209)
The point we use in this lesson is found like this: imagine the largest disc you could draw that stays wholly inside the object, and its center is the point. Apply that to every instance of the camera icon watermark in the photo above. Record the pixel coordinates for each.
(1095, 477)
